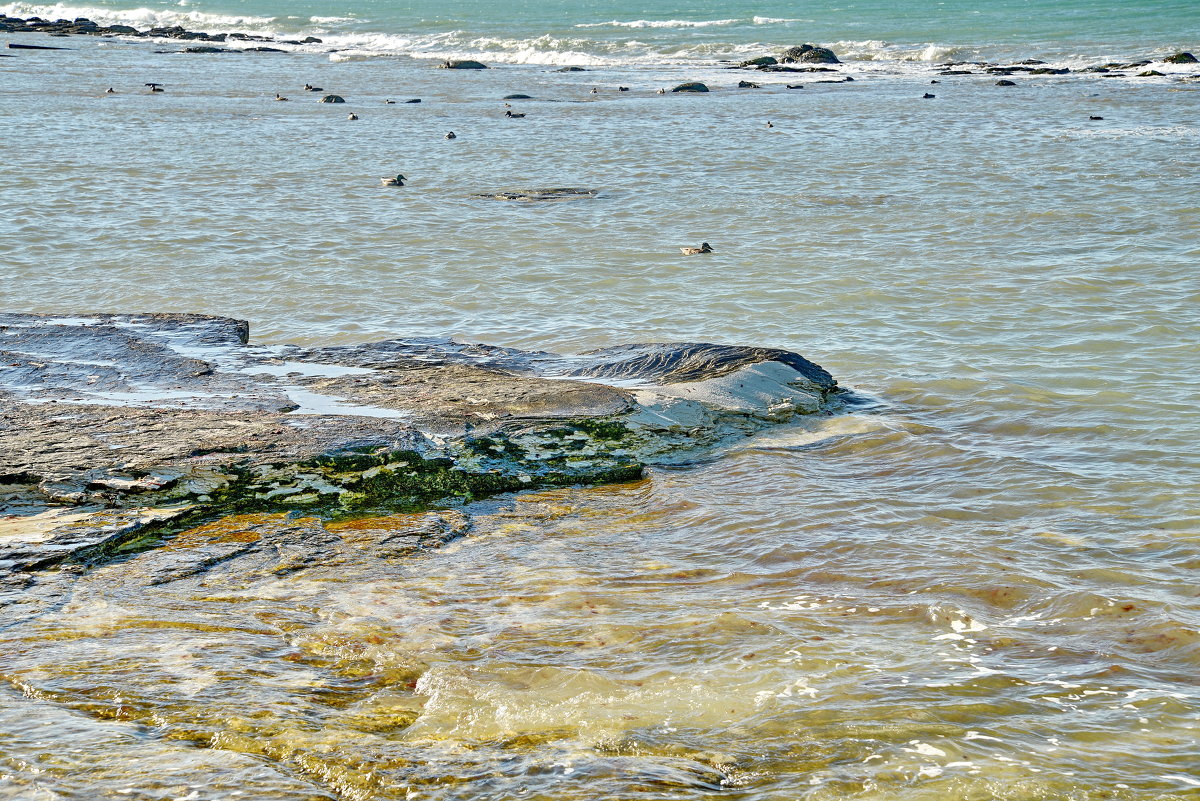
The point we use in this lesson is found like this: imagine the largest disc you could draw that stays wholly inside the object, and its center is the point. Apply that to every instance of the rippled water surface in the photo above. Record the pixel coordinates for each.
(977, 584)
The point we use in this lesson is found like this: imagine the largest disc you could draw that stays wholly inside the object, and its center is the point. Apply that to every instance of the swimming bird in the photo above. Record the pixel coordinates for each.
(664, 91)
(704, 248)
(397, 181)
(769, 125)
(389, 102)
(352, 117)
(308, 87)
(928, 96)
(622, 88)
(795, 86)
(280, 97)
(513, 116)
(595, 90)
(110, 91)
(155, 87)
(451, 135)
(935, 81)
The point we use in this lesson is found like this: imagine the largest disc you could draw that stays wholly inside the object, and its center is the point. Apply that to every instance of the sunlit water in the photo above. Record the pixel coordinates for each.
(979, 584)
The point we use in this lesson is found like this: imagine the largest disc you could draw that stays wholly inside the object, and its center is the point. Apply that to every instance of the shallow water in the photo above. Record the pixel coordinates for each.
(980, 584)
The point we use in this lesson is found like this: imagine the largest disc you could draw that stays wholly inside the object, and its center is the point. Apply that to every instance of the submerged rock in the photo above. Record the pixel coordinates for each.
(464, 64)
(561, 193)
(693, 86)
(114, 424)
(332, 99)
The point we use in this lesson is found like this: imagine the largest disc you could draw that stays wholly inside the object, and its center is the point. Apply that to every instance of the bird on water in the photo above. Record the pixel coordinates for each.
(397, 181)
(513, 116)
(704, 248)
(155, 87)
(452, 135)
(352, 117)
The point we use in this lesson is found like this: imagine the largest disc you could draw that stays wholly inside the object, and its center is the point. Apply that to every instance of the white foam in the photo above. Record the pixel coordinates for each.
(660, 23)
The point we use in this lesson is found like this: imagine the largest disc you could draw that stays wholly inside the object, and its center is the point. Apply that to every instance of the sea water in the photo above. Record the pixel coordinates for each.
(978, 583)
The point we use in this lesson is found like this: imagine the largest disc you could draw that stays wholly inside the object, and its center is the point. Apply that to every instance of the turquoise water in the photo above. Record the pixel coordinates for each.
(980, 584)
(615, 33)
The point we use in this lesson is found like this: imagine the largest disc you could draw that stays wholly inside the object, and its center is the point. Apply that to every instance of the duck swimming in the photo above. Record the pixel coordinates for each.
(352, 117)
(280, 97)
(513, 116)
(704, 248)
(397, 181)
(308, 87)
(451, 135)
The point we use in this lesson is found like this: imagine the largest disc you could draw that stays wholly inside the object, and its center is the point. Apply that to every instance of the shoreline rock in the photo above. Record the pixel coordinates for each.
(113, 425)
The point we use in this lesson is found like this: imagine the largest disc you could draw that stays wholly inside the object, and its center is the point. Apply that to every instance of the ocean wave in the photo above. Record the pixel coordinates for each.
(141, 17)
(659, 23)
(878, 50)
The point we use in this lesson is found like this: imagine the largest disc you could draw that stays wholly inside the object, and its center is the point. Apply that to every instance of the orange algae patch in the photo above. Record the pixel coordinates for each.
(235, 528)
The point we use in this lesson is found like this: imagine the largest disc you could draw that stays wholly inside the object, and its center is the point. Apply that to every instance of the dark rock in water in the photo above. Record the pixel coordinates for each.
(748, 85)
(809, 54)
(561, 193)
(112, 425)
(1151, 74)
(761, 61)
(465, 64)
(332, 99)
(1031, 61)
(122, 30)
(262, 50)
(413, 100)
(1005, 83)
(570, 69)
(957, 72)
(15, 46)
(517, 97)
(781, 68)
(693, 86)
(1049, 71)
(1181, 58)
(310, 40)
(206, 49)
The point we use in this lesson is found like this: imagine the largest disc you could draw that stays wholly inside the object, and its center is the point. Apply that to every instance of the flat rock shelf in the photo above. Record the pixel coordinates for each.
(113, 425)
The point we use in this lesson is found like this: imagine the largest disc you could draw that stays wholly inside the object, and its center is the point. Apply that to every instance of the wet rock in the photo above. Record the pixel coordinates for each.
(748, 85)
(15, 46)
(517, 97)
(1181, 58)
(332, 99)
(161, 417)
(1005, 83)
(206, 49)
(809, 54)
(692, 86)
(464, 64)
(1049, 71)
(560, 193)
(761, 61)
(570, 69)
(1151, 74)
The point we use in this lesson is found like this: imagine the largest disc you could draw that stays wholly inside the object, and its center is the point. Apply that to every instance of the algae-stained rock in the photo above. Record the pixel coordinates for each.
(691, 86)
(462, 64)
(1181, 58)
(158, 416)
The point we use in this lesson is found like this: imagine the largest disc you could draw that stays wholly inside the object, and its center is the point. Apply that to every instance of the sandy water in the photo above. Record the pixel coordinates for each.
(978, 584)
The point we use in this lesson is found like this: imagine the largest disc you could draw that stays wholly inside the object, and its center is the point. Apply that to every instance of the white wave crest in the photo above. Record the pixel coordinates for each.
(139, 17)
(776, 20)
(877, 50)
(659, 23)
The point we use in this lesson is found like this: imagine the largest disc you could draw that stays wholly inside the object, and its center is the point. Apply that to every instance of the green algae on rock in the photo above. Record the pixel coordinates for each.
(157, 419)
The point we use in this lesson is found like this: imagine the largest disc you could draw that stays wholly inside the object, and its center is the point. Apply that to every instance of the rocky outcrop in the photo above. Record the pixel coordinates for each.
(332, 99)
(110, 424)
(692, 86)
(81, 26)
(809, 54)
(1181, 58)
(462, 64)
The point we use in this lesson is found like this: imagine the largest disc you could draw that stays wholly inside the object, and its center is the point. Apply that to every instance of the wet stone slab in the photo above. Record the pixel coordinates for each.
(112, 424)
